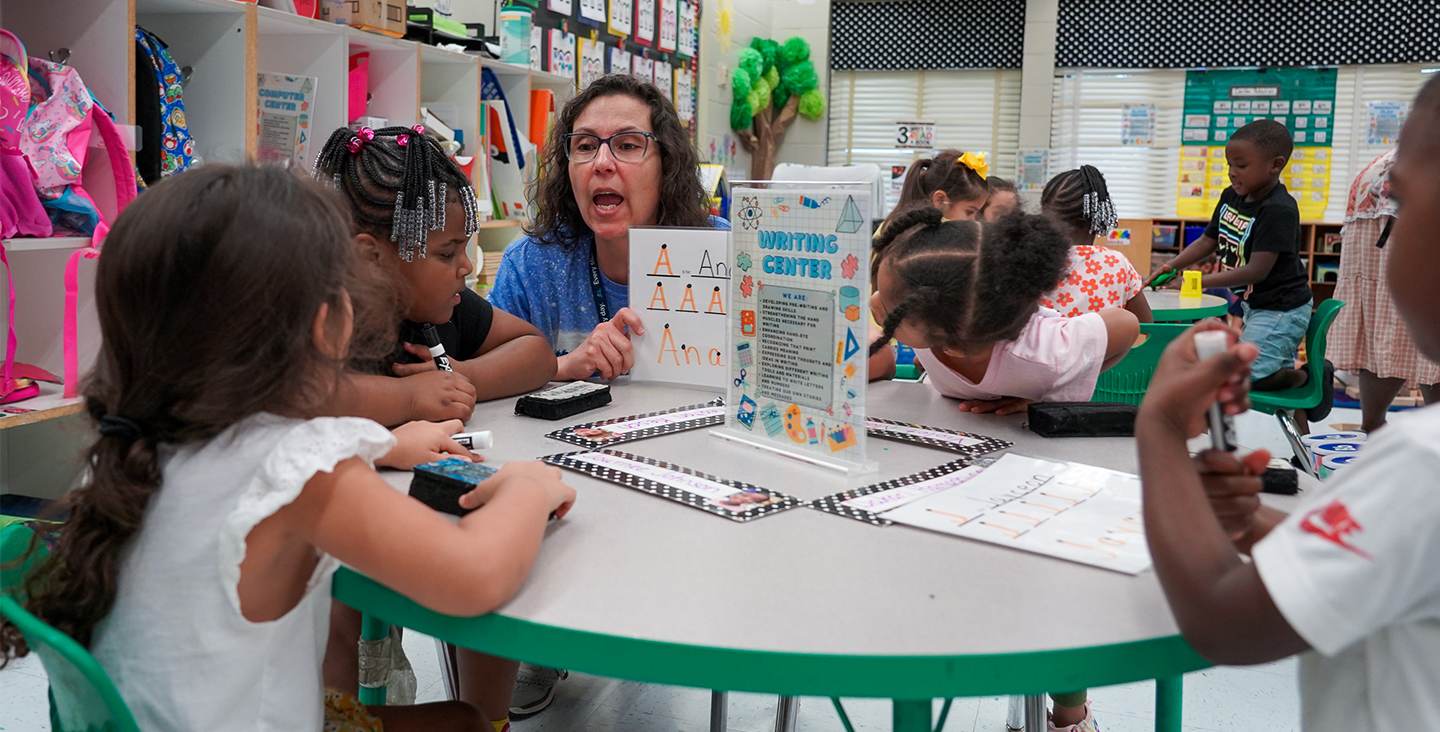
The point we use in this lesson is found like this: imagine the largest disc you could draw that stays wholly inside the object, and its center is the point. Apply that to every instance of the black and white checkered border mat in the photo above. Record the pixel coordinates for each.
(630, 480)
(834, 503)
(568, 434)
(988, 444)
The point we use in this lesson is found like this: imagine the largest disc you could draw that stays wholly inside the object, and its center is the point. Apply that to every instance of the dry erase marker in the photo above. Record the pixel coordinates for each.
(437, 349)
(475, 440)
(1209, 344)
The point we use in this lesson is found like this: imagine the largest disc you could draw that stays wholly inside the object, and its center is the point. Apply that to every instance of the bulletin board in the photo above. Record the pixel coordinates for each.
(798, 322)
(591, 38)
(1219, 102)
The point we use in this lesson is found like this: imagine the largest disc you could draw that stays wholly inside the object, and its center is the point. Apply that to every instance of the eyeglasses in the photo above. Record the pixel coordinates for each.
(627, 147)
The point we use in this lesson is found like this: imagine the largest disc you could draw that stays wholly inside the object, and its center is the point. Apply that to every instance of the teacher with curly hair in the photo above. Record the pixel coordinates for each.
(617, 157)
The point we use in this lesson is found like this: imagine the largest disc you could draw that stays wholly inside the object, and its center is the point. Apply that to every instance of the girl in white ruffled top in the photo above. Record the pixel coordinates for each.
(197, 558)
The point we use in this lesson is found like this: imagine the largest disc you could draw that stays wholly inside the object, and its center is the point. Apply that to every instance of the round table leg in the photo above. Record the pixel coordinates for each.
(373, 629)
(1168, 696)
(911, 715)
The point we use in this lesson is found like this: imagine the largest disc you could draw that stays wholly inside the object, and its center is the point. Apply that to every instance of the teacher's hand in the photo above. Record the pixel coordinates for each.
(607, 350)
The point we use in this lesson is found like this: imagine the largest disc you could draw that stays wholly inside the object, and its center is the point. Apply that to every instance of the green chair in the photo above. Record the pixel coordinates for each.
(1127, 381)
(1285, 403)
(82, 698)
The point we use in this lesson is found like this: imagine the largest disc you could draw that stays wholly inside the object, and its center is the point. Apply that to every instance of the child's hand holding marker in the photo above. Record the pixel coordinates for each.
(417, 443)
(440, 395)
(1233, 485)
(410, 369)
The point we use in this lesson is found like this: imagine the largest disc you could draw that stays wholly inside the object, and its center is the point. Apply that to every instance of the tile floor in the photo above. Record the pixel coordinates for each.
(1218, 700)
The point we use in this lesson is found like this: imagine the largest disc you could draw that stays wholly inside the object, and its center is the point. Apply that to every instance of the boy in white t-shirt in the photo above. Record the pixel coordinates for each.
(1348, 580)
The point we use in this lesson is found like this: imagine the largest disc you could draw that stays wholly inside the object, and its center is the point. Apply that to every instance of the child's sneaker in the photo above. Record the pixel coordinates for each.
(1085, 725)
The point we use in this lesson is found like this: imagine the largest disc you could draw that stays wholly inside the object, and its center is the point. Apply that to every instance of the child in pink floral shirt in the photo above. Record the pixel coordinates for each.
(1097, 277)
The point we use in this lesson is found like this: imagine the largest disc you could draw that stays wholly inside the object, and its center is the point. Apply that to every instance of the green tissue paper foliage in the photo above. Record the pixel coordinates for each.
(740, 83)
(794, 51)
(752, 62)
(740, 116)
(812, 104)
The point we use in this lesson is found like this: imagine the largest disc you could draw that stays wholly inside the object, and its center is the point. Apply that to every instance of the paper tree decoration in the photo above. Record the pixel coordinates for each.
(772, 84)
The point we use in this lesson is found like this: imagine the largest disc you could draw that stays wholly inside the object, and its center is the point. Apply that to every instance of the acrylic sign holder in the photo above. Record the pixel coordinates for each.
(798, 324)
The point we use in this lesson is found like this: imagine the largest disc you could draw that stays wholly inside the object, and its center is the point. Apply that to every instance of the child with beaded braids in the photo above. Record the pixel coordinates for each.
(966, 297)
(412, 214)
(1096, 277)
(401, 187)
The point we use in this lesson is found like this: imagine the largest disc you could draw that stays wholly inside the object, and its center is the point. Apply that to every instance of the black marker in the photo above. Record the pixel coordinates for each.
(437, 349)
(1209, 344)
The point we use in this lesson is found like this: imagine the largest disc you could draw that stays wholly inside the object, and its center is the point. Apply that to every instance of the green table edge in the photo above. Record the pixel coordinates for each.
(1171, 315)
(787, 674)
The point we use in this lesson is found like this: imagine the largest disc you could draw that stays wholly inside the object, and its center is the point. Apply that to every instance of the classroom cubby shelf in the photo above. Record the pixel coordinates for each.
(226, 43)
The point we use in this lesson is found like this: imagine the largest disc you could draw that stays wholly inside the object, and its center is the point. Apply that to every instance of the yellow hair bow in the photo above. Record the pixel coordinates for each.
(976, 162)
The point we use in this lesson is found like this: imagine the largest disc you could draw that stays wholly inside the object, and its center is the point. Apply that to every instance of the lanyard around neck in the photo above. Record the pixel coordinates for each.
(596, 288)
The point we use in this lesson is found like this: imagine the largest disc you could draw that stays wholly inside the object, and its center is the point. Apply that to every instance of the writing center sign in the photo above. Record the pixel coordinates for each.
(798, 325)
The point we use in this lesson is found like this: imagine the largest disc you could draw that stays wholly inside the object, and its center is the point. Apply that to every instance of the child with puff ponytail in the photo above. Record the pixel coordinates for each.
(966, 295)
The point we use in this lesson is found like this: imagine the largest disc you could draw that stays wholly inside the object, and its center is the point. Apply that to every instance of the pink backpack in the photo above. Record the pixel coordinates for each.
(55, 138)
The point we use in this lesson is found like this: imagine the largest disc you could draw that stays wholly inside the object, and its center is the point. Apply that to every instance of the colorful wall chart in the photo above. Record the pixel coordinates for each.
(1067, 510)
(1219, 102)
(799, 298)
(680, 288)
(590, 60)
(668, 20)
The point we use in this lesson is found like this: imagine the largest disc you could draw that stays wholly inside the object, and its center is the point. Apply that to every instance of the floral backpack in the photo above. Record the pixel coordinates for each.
(62, 128)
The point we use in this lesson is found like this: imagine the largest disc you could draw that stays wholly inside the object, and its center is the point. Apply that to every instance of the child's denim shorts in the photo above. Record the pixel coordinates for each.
(1278, 334)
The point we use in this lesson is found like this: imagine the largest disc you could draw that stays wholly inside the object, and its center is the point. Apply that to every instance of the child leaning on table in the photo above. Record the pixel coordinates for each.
(966, 296)
(197, 558)
(1348, 580)
(412, 214)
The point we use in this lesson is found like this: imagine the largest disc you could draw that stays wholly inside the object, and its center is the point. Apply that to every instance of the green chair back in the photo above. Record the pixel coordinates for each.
(82, 697)
(1127, 381)
(1310, 395)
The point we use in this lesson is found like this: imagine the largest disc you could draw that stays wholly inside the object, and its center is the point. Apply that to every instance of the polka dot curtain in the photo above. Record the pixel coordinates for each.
(931, 34)
(1123, 34)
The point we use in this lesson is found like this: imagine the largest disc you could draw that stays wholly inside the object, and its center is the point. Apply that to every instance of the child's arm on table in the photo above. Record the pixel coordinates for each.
(1219, 601)
(1196, 251)
(464, 568)
(1122, 329)
(515, 358)
(1255, 270)
(431, 395)
(417, 443)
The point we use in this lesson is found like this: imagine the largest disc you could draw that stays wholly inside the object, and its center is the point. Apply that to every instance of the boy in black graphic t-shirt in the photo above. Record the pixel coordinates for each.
(1256, 234)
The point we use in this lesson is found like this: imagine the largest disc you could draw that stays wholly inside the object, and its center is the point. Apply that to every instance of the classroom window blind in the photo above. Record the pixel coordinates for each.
(1086, 121)
(1355, 88)
(1086, 108)
(973, 110)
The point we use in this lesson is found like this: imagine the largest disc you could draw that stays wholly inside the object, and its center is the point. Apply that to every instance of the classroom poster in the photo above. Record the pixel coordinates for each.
(1067, 510)
(1137, 125)
(667, 30)
(665, 79)
(562, 7)
(590, 60)
(1032, 169)
(562, 53)
(685, 95)
(644, 22)
(680, 288)
(592, 11)
(1385, 121)
(283, 118)
(1219, 102)
(619, 60)
(644, 69)
(622, 17)
(537, 48)
(798, 324)
(688, 21)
